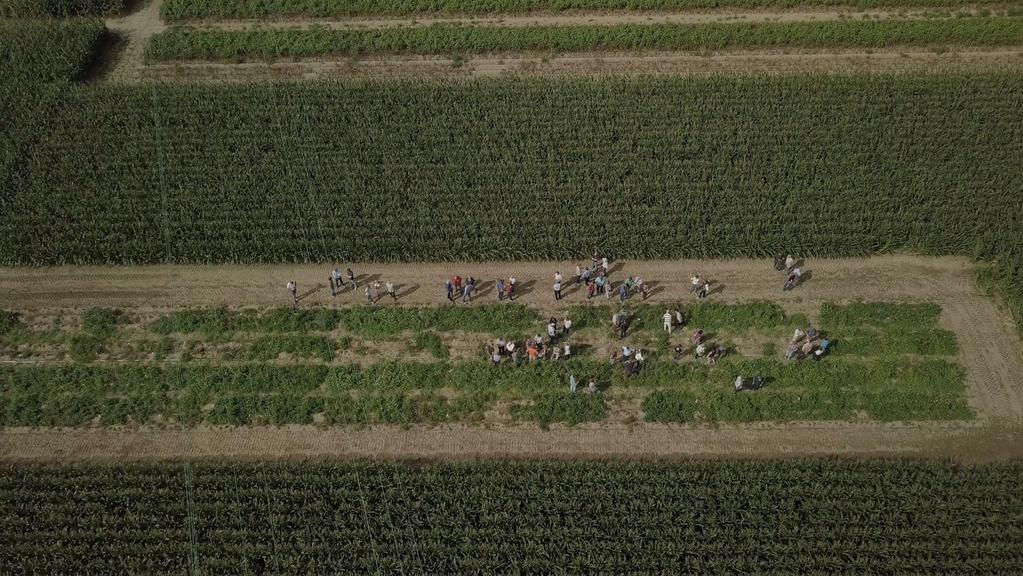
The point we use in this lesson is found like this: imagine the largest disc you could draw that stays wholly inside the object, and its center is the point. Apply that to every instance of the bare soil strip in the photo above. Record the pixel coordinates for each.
(990, 352)
(594, 64)
(963, 443)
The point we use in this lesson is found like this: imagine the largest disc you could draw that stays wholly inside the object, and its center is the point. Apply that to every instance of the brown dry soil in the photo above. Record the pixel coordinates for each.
(533, 65)
(138, 27)
(990, 351)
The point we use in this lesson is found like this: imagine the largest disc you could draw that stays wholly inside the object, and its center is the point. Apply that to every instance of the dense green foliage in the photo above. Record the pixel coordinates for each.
(184, 43)
(734, 517)
(821, 165)
(295, 345)
(8, 321)
(186, 9)
(402, 392)
(33, 51)
(59, 8)
(367, 321)
(1006, 281)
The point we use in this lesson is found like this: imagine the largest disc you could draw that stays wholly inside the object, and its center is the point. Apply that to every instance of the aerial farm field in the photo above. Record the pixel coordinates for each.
(185, 386)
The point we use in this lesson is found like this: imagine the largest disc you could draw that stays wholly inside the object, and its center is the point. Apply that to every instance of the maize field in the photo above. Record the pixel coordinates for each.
(774, 517)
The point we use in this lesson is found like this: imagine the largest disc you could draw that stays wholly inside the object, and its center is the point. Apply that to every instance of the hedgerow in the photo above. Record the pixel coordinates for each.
(231, 9)
(183, 43)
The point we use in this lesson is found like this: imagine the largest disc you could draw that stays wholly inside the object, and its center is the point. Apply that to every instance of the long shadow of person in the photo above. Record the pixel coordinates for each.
(404, 290)
(524, 288)
(311, 291)
(484, 288)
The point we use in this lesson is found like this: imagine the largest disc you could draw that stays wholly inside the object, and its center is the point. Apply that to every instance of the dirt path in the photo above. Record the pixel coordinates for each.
(135, 30)
(963, 443)
(990, 348)
(595, 64)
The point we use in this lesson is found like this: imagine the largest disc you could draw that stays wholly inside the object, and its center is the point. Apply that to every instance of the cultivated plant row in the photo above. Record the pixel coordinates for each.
(714, 517)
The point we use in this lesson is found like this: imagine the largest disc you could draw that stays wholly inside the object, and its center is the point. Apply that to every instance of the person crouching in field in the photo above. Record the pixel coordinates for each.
(793, 279)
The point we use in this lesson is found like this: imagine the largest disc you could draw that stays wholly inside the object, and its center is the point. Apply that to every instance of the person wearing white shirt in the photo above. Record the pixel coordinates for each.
(667, 321)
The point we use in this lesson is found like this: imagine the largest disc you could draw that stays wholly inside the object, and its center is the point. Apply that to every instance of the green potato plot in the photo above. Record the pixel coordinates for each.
(216, 366)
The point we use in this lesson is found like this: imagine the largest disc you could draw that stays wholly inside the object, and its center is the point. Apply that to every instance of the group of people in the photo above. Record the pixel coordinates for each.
(573, 383)
(701, 349)
(807, 344)
(455, 286)
(535, 347)
(595, 277)
(336, 281)
(699, 286)
(373, 290)
(793, 273)
(631, 360)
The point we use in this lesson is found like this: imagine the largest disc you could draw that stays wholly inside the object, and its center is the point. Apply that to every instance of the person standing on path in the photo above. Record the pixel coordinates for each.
(467, 292)
(591, 290)
(623, 292)
(567, 323)
(695, 283)
(557, 289)
(500, 290)
(370, 296)
(789, 262)
(608, 288)
(351, 278)
(511, 288)
(336, 281)
(558, 278)
(333, 285)
(704, 290)
(593, 260)
(390, 290)
(667, 321)
(578, 273)
(604, 264)
(450, 288)
(293, 290)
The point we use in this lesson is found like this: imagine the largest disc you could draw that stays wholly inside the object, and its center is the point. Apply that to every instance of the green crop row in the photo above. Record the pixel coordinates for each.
(33, 51)
(228, 9)
(183, 43)
(880, 314)
(59, 8)
(402, 392)
(660, 167)
(838, 517)
(509, 320)
(368, 321)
